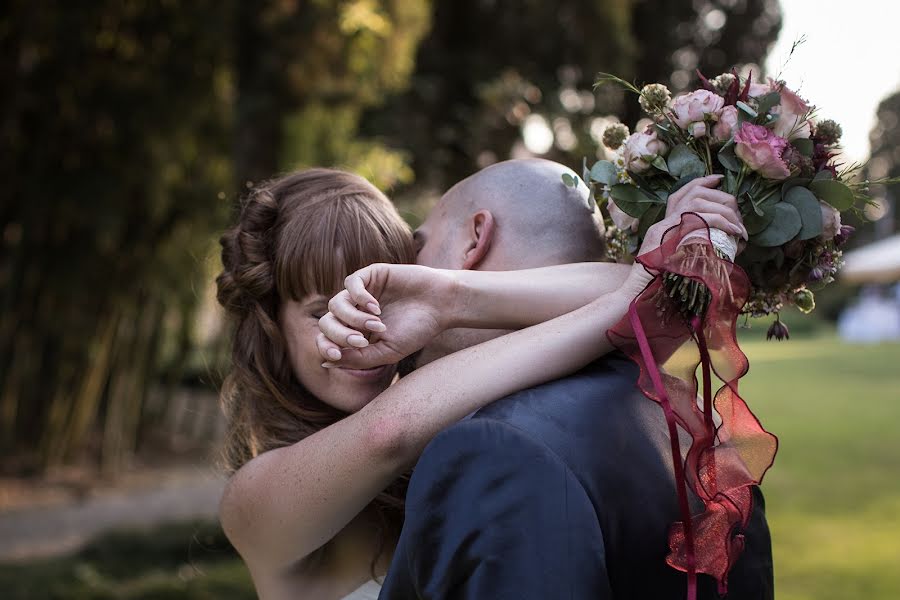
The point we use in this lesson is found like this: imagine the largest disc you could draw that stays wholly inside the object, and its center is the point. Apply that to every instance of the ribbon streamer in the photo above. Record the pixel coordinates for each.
(723, 462)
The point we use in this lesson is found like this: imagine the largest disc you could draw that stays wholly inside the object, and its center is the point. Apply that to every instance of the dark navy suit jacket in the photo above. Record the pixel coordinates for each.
(566, 491)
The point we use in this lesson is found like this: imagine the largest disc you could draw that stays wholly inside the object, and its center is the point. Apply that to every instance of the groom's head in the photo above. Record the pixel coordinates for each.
(513, 215)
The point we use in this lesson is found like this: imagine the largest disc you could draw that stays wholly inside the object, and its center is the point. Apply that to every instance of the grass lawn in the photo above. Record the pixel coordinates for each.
(833, 495)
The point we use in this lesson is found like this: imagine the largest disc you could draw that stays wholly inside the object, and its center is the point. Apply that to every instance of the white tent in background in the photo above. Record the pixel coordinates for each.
(878, 262)
(874, 316)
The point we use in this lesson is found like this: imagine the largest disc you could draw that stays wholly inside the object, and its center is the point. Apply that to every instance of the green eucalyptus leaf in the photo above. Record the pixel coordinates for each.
(765, 103)
(651, 217)
(823, 175)
(808, 206)
(631, 200)
(833, 192)
(604, 172)
(569, 180)
(730, 182)
(729, 160)
(784, 226)
(758, 219)
(804, 146)
(684, 162)
(794, 181)
(660, 163)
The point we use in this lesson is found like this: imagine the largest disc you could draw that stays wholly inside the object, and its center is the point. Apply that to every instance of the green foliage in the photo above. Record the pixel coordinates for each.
(632, 200)
(808, 208)
(684, 163)
(833, 192)
(125, 126)
(785, 225)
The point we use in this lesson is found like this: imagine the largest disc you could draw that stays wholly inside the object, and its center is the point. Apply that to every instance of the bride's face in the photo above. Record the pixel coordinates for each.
(345, 389)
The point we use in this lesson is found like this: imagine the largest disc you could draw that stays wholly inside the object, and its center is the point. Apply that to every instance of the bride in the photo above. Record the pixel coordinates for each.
(317, 453)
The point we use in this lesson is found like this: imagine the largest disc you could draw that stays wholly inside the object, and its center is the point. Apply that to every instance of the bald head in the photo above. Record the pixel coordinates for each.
(513, 215)
(537, 219)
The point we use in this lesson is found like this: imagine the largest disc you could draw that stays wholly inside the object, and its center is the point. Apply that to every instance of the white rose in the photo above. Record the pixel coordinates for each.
(831, 221)
(640, 149)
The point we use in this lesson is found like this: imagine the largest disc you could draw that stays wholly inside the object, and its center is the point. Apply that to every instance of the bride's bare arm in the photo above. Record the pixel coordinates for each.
(288, 502)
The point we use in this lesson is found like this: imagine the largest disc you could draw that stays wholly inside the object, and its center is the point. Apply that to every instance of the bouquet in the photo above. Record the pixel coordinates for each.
(777, 160)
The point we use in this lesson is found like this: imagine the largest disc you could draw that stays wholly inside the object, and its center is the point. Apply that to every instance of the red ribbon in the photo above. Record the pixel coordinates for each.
(723, 462)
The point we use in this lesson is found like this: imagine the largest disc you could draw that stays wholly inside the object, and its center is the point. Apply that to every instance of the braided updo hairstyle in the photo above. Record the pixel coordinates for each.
(298, 234)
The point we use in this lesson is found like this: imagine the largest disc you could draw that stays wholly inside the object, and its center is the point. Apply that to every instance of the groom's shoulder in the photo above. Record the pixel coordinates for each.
(605, 386)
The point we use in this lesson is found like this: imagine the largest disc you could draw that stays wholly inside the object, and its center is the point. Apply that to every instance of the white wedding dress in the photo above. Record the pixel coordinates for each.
(367, 591)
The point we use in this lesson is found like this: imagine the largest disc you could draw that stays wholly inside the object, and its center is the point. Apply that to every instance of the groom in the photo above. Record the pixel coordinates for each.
(564, 490)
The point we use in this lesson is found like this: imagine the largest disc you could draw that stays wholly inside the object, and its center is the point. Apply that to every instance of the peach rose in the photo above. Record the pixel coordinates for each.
(695, 106)
(726, 125)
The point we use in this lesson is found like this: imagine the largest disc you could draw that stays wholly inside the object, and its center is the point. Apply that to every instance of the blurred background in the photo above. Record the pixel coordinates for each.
(130, 128)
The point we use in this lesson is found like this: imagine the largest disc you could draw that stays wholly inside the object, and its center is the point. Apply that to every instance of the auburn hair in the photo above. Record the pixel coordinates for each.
(298, 234)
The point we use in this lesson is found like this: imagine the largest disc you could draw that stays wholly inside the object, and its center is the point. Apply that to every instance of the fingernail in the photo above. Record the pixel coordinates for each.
(328, 365)
(334, 354)
(357, 341)
(374, 308)
(376, 326)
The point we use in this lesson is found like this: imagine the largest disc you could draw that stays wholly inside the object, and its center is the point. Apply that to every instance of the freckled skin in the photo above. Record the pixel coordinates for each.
(336, 387)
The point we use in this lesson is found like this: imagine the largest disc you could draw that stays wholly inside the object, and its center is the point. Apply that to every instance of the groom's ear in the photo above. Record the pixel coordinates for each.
(480, 231)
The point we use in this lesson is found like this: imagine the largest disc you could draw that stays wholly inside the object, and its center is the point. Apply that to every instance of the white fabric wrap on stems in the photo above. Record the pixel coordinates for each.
(721, 241)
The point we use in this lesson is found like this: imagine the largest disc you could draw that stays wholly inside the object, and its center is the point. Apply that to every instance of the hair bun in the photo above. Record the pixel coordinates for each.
(247, 254)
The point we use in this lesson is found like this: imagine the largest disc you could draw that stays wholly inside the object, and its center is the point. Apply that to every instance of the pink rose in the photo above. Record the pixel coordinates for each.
(792, 112)
(727, 124)
(761, 150)
(760, 89)
(831, 221)
(620, 218)
(697, 129)
(695, 106)
(640, 149)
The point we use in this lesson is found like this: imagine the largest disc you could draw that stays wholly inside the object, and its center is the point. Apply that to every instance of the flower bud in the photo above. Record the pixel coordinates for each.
(804, 300)
(843, 235)
(778, 330)
(829, 132)
(722, 83)
(654, 97)
(614, 135)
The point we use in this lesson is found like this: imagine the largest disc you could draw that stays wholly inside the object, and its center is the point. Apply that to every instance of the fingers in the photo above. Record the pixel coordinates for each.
(328, 350)
(702, 206)
(708, 182)
(343, 307)
(712, 195)
(356, 286)
(714, 220)
(360, 358)
(340, 334)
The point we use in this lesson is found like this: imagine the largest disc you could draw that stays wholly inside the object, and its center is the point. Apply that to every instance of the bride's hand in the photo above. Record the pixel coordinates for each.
(385, 313)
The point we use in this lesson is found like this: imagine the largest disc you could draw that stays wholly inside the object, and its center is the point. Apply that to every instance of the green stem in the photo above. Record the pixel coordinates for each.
(709, 169)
